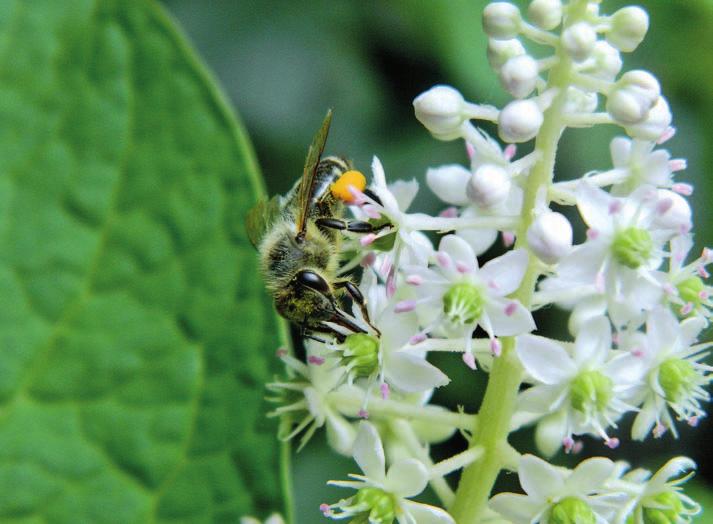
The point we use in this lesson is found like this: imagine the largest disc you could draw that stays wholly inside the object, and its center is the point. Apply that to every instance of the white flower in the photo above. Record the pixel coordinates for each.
(383, 495)
(456, 296)
(272, 519)
(675, 375)
(556, 494)
(659, 497)
(638, 163)
(579, 391)
(654, 126)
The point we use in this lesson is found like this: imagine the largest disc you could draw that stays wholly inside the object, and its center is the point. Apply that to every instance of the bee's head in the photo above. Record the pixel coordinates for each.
(308, 297)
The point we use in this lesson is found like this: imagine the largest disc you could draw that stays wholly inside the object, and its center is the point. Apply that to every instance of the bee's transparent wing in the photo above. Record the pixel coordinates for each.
(306, 188)
(260, 218)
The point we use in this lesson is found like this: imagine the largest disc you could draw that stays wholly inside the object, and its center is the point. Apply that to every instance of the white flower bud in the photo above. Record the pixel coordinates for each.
(519, 121)
(607, 61)
(489, 186)
(500, 51)
(449, 182)
(440, 110)
(519, 75)
(545, 14)
(633, 96)
(655, 124)
(579, 101)
(501, 20)
(550, 237)
(628, 28)
(579, 40)
(673, 211)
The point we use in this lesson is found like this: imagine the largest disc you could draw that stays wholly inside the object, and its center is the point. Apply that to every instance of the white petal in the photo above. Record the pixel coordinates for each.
(593, 342)
(644, 421)
(590, 475)
(672, 469)
(404, 192)
(620, 148)
(508, 317)
(406, 478)
(479, 239)
(504, 274)
(459, 251)
(594, 206)
(427, 514)
(340, 434)
(449, 183)
(550, 433)
(691, 328)
(661, 329)
(369, 453)
(583, 263)
(412, 374)
(519, 509)
(545, 360)
(539, 399)
(538, 478)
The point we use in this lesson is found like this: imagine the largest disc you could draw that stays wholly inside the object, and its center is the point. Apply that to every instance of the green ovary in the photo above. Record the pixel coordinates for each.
(632, 247)
(571, 510)
(463, 303)
(591, 391)
(381, 507)
(676, 377)
(690, 290)
(361, 354)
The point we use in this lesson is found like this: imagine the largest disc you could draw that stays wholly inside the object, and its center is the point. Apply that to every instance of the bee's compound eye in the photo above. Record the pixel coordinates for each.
(341, 188)
(313, 281)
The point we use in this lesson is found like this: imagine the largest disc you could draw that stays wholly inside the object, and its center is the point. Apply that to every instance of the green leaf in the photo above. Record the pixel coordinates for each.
(135, 339)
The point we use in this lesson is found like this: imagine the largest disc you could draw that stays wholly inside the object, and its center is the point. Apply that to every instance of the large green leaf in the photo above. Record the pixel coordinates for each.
(135, 337)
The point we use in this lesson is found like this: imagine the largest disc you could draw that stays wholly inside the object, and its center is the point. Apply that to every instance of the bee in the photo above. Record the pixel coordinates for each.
(298, 237)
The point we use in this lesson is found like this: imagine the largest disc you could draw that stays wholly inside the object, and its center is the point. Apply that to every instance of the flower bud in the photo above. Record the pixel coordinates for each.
(675, 212)
(579, 40)
(633, 96)
(519, 75)
(519, 121)
(488, 186)
(607, 61)
(500, 51)
(628, 28)
(545, 14)
(579, 101)
(440, 110)
(550, 237)
(572, 510)
(449, 182)
(656, 123)
(501, 20)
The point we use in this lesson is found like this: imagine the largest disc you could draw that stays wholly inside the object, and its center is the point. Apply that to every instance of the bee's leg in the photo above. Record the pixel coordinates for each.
(357, 296)
(308, 332)
(341, 319)
(368, 192)
(354, 226)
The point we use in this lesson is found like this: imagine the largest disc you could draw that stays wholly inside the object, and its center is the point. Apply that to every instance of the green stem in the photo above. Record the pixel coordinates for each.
(500, 398)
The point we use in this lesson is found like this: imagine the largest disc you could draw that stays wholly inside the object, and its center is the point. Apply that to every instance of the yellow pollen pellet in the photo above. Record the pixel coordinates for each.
(340, 188)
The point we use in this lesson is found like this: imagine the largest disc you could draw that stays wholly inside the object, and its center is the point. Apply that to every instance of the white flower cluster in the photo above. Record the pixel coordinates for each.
(637, 305)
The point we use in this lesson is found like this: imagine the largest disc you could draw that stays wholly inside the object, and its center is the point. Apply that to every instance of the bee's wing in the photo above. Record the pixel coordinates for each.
(260, 218)
(306, 188)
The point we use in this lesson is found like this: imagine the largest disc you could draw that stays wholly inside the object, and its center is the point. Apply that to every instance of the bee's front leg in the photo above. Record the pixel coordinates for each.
(354, 226)
(357, 296)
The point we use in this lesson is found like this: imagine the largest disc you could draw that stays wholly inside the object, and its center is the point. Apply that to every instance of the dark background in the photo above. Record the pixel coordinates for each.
(283, 63)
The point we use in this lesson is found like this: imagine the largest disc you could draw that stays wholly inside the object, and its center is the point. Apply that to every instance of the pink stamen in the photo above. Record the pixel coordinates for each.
(443, 259)
(682, 189)
(567, 444)
(391, 285)
(510, 309)
(659, 430)
(314, 359)
(358, 198)
(385, 391)
(363, 414)
(493, 285)
(664, 205)
(367, 239)
(678, 256)
(368, 260)
(462, 267)
(417, 338)
(470, 150)
(669, 289)
(615, 338)
(599, 283)
(371, 212)
(578, 447)
(405, 306)
(637, 352)
(702, 272)
(449, 212)
(325, 509)
(684, 228)
(685, 310)
(469, 360)
(615, 207)
(496, 348)
(707, 255)
(414, 280)
(282, 352)
(592, 234)
(510, 151)
(612, 443)
(693, 421)
(666, 135)
(703, 295)
(385, 266)
(508, 238)
(677, 164)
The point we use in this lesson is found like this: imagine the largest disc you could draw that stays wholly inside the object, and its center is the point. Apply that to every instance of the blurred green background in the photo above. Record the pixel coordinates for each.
(282, 63)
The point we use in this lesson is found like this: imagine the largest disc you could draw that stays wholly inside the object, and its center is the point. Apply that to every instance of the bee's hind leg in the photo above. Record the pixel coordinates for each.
(307, 332)
(357, 297)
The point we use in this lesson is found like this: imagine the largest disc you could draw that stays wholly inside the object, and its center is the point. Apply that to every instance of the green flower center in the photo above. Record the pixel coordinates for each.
(676, 377)
(463, 303)
(380, 507)
(591, 391)
(361, 354)
(632, 247)
(571, 510)
(690, 290)
(669, 507)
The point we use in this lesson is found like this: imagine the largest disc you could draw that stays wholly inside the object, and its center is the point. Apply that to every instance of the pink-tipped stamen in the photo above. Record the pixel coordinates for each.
(707, 255)
(666, 135)
(703, 295)
(493, 285)
(693, 421)
(414, 280)
(391, 284)
(368, 260)
(364, 414)
(470, 150)
(508, 238)
(659, 430)
(469, 360)
(326, 510)
(638, 352)
(599, 283)
(684, 228)
(405, 306)
(496, 348)
(677, 164)
(568, 444)
(702, 272)
(385, 266)
(281, 352)
(687, 308)
(682, 189)
(371, 211)
(669, 289)
(664, 205)
(315, 360)
(443, 259)
(615, 207)
(612, 443)
(510, 309)
(358, 198)
(449, 212)
(578, 447)
(462, 267)
(592, 234)
(510, 152)
(367, 239)
(615, 338)
(417, 338)
(385, 391)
